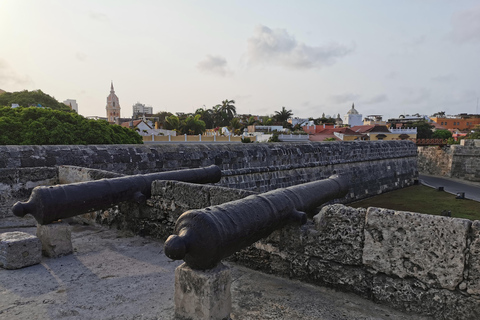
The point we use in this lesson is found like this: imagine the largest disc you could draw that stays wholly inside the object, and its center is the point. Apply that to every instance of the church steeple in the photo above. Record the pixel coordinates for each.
(113, 105)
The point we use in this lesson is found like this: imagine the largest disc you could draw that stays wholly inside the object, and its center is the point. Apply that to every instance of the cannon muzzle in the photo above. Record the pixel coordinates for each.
(48, 204)
(204, 237)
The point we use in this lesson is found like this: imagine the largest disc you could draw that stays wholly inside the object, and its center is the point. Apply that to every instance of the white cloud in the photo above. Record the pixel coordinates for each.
(376, 99)
(8, 76)
(344, 98)
(415, 95)
(277, 46)
(216, 65)
(466, 25)
(81, 56)
(98, 16)
(444, 78)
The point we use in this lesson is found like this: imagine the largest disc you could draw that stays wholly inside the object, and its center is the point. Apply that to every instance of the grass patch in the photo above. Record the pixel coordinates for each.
(424, 200)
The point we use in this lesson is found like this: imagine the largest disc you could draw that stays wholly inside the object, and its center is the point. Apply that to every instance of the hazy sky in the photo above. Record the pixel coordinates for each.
(313, 57)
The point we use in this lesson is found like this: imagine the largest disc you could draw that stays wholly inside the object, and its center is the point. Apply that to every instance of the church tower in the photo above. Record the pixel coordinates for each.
(113, 106)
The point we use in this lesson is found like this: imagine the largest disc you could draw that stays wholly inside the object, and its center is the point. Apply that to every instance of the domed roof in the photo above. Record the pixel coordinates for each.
(352, 111)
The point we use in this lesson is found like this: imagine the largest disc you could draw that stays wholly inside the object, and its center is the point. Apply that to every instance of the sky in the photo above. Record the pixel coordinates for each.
(309, 56)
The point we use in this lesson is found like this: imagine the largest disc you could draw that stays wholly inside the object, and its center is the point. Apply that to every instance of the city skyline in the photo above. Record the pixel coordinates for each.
(388, 58)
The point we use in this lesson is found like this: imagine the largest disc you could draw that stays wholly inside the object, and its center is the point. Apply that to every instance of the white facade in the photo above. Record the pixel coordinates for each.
(353, 118)
(139, 108)
(72, 103)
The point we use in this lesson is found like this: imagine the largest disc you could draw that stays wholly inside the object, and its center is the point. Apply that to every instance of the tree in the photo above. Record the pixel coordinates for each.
(39, 126)
(441, 134)
(424, 129)
(172, 122)
(475, 134)
(207, 116)
(283, 115)
(235, 126)
(32, 98)
(224, 113)
(193, 125)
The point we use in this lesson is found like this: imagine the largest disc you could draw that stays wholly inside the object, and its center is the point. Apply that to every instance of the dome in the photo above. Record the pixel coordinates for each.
(352, 111)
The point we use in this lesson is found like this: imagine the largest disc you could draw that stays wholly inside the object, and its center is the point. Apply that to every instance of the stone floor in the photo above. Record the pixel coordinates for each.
(118, 276)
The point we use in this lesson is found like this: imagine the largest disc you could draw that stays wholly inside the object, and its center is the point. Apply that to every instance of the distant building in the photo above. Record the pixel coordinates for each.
(373, 119)
(140, 109)
(462, 121)
(113, 106)
(72, 104)
(353, 118)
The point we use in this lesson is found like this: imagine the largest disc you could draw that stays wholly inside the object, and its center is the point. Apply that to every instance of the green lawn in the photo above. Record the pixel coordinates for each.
(424, 200)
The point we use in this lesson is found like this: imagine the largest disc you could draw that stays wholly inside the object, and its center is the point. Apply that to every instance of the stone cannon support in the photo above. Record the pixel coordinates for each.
(204, 237)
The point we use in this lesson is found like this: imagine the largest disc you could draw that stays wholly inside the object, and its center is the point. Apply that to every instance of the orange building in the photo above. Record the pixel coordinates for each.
(460, 122)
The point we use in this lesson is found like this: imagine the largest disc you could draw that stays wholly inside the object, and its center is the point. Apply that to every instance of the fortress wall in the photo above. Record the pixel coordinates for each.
(414, 262)
(371, 166)
(456, 161)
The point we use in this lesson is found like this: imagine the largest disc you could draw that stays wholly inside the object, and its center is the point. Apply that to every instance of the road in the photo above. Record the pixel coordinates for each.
(451, 185)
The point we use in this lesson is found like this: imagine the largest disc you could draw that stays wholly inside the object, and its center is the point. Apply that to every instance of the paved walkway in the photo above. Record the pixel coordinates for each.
(112, 275)
(451, 185)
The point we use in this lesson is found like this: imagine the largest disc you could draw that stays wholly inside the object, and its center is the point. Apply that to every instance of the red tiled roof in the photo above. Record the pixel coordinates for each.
(371, 128)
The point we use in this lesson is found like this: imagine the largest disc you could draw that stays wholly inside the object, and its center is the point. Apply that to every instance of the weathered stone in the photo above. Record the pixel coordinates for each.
(339, 235)
(19, 249)
(56, 239)
(203, 294)
(406, 244)
(473, 265)
(414, 296)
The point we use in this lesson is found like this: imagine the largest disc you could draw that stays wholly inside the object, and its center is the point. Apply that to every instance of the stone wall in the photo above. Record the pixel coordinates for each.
(456, 161)
(372, 167)
(414, 262)
(17, 184)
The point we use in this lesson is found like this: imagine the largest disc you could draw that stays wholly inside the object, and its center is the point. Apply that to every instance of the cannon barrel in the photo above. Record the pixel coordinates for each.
(50, 203)
(204, 237)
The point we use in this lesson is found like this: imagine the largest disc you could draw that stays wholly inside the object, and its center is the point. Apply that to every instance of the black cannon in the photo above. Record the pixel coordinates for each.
(48, 204)
(204, 237)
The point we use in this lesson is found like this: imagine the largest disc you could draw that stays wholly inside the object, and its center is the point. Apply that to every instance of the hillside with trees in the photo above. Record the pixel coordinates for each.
(42, 126)
(34, 98)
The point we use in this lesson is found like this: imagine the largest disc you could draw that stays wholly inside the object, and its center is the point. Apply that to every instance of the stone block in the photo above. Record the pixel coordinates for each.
(19, 249)
(339, 235)
(202, 294)
(56, 239)
(425, 247)
(473, 264)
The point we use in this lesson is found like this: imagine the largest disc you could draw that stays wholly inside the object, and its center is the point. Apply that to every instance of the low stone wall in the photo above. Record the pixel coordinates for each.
(414, 262)
(17, 183)
(372, 167)
(456, 161)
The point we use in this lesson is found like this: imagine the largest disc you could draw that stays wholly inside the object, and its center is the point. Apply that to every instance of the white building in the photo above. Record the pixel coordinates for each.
(72, 104)
(353, 118)
(141, 109)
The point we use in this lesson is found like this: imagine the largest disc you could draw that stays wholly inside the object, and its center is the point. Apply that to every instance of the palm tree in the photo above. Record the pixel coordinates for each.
(207, 115)
(225, 112)
(172, 122)
(235, 126)
(193, 125)
(283, 115)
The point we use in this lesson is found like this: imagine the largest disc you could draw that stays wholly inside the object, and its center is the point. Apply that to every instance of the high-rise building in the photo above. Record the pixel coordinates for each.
(113, 106)
(72, 104)
(140, 109)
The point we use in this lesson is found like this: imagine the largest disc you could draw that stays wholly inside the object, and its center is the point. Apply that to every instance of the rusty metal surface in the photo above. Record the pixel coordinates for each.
(51, 203)
(204, 237)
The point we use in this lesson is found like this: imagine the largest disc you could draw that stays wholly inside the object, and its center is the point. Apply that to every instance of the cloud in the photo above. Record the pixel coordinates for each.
(466, 26)
(81, 56)
(214, 65)
(376, 99)
(8, 76)
(98, 16)
(277, 46)
(415, 95)
(444, 78)
(344, 98)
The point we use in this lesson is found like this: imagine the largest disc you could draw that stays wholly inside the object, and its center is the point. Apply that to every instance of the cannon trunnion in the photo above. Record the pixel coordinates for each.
(204, 237)
(51, 203)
